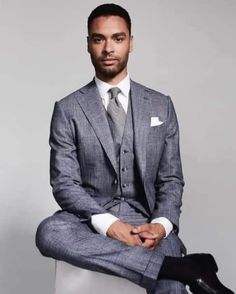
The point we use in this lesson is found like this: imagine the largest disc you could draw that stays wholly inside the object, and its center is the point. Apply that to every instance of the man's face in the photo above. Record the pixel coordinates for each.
(109, 44)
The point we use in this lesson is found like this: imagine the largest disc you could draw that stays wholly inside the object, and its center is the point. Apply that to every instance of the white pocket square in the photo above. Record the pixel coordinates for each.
(155, 121)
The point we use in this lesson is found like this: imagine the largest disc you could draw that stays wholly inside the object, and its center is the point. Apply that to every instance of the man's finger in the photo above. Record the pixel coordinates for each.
(138, 240)
(148, 235)
(140, 229)
(148, 243)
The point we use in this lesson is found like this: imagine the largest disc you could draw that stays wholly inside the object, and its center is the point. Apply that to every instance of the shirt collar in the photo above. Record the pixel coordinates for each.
(103, 87)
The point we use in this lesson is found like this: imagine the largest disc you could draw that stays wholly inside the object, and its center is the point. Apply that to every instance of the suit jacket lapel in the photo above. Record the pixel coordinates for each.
(91, 103)
(141, 105)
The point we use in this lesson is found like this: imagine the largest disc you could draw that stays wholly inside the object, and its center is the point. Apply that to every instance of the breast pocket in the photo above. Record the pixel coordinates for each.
(157, 133)
(155, 146)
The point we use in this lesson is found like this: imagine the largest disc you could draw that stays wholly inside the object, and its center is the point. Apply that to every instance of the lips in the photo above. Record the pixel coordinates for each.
(108, 61)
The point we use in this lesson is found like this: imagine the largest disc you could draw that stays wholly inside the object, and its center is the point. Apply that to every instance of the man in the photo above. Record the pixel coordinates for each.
(116, 173)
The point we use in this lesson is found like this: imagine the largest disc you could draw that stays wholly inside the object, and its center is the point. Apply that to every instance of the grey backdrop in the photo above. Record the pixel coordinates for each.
(183, 48)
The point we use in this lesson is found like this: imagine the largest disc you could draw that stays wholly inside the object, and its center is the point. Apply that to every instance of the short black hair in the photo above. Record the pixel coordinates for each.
(110, 9)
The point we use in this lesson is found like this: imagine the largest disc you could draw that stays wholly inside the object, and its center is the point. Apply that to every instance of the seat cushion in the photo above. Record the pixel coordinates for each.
(74, 280)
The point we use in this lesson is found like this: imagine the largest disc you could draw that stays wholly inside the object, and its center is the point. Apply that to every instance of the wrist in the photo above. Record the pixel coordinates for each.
(111, 229)
(166, 224)
(160, 230)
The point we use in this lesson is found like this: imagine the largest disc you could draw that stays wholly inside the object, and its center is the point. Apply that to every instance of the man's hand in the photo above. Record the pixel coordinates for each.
(123, 232)
(150, 234)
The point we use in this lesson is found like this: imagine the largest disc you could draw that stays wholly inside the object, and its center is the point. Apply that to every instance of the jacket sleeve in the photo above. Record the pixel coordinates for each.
(65, 174)
(169, 183)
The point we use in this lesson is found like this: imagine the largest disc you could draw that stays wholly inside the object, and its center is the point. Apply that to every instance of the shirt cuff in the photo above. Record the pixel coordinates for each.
(102, 221)
(166, 224)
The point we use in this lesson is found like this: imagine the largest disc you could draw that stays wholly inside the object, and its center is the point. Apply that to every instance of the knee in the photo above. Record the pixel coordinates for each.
(172, 246)
(43, 236)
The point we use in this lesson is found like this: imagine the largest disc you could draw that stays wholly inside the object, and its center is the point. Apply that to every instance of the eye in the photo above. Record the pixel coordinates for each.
(119, 39)
(97, 40)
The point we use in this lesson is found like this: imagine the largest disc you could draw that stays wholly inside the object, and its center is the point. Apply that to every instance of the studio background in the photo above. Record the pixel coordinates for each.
(184, 48)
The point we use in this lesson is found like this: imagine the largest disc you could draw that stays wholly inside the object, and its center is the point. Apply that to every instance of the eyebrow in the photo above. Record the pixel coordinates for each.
(120, 34)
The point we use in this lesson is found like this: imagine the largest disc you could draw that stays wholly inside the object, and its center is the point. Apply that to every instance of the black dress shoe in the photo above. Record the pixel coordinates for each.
(205, 280)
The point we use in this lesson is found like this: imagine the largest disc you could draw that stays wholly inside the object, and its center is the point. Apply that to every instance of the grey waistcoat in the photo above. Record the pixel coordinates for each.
(129, 182)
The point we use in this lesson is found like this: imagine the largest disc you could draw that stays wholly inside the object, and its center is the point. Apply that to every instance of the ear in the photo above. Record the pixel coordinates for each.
(88, 49)
(131, 44)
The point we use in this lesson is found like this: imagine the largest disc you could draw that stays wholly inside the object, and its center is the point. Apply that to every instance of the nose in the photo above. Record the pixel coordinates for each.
(108, 47)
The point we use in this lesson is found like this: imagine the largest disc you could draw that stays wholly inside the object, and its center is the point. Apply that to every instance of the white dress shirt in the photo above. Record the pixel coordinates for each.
(101, 222)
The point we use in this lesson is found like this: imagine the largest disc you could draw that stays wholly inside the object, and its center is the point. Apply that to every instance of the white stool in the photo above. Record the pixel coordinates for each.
(74, 280)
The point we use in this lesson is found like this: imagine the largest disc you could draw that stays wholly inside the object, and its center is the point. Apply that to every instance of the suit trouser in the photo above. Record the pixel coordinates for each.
(63, 237)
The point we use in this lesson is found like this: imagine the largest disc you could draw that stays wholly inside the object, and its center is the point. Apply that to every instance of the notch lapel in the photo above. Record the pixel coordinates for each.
(91, 103)
(141, 105)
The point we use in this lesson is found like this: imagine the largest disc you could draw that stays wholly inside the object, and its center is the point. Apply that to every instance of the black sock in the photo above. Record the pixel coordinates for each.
(178, 268)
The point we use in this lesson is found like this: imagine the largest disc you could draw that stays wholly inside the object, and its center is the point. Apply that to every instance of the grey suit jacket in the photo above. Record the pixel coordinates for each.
(83, 168)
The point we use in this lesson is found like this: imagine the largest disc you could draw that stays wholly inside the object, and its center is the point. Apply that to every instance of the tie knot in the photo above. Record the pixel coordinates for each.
(114, 92)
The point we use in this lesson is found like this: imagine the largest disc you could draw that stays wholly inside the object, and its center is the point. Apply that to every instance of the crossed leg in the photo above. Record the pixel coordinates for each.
(63, 237)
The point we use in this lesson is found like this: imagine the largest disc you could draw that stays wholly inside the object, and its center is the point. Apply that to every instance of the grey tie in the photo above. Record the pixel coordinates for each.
(116, 115)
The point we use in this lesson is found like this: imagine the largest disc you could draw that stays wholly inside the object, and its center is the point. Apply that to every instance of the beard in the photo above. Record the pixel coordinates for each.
(109, 71)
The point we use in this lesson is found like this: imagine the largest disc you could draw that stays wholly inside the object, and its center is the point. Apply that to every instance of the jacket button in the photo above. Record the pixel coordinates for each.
(124, 169)
(125, 151)
(124, 185)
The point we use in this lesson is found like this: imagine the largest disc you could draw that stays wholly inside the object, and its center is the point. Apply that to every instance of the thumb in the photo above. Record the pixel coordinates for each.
(139, 229)
(148, 235)
(135, 230)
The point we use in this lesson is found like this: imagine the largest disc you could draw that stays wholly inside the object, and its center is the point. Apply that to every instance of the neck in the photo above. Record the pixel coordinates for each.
(114, 80)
